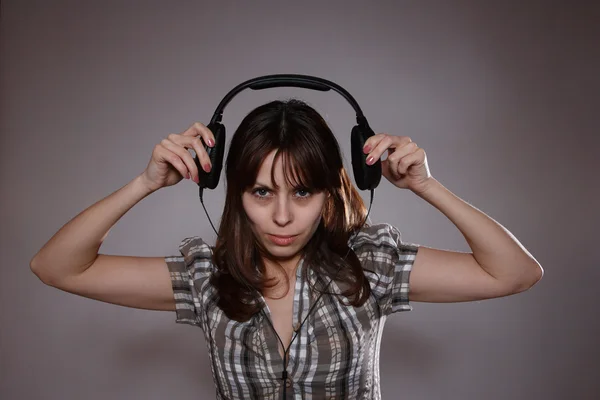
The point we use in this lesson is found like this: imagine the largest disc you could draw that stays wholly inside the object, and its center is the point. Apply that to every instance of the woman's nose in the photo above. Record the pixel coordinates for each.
(283, 214)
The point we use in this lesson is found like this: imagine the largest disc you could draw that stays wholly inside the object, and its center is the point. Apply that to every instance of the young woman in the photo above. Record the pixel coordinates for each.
(293, 298)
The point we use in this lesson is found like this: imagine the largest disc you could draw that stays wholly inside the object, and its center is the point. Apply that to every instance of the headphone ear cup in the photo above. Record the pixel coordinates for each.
(367, 177)
(210, 179)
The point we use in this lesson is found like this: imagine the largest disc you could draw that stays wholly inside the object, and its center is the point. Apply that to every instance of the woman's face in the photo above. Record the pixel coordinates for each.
(282, 219)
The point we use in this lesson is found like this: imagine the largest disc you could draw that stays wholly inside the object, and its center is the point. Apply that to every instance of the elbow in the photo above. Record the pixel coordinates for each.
(41, 273)
(534, 274)
(37, 270)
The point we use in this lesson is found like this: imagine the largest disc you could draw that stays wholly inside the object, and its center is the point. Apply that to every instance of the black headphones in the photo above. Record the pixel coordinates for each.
(367, 177)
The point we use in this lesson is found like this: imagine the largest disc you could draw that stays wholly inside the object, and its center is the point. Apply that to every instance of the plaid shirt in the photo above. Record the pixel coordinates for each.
(336, 352)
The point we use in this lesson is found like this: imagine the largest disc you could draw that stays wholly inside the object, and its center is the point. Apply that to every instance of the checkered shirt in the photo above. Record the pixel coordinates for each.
(336, 352)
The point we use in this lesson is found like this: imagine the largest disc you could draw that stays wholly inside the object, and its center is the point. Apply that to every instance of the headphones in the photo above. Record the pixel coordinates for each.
(367, 177)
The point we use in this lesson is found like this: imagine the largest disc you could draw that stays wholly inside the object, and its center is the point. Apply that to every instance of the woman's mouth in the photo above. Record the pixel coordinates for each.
(282, 240)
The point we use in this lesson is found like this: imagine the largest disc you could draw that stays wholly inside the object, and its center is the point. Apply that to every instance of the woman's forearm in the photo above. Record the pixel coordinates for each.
(75, 246)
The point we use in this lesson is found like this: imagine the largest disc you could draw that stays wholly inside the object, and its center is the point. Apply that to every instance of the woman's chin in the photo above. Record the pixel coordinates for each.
(282, 253)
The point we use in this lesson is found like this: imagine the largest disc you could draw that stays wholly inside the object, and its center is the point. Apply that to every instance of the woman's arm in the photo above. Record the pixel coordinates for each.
(75, 246)
(498, 265)
(70, 260)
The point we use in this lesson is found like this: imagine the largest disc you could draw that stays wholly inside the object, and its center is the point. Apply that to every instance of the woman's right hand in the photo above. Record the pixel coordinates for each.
(171, 161)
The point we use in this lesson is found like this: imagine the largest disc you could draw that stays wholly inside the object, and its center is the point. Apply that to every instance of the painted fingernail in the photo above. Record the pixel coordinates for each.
(370, 160)
(206, 167)
(211, 143)
(367, 149)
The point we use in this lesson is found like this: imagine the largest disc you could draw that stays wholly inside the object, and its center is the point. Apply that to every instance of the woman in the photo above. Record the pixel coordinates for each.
(293, 298)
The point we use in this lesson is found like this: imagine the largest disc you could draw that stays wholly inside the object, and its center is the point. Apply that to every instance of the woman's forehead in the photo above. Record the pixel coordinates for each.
(278, 171)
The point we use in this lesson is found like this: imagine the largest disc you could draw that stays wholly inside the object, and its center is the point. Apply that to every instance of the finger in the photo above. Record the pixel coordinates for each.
(402, 151)
(184, 156)
(199, 129)
(195, 143)
(411, 159)
(161, 153)
(389, 170)
(396, 142)
(201, 153)
(382, 145)
(373, 141)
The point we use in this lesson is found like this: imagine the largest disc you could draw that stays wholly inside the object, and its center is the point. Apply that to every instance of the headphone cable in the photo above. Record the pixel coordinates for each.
(284, 374)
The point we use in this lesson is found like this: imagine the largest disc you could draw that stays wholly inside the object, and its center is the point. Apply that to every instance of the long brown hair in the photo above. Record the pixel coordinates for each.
(311, 158)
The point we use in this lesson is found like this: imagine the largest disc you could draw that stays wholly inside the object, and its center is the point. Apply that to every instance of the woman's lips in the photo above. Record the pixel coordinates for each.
(282, 240)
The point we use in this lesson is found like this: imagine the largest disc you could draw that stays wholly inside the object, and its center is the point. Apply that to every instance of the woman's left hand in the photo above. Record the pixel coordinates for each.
(406, 163)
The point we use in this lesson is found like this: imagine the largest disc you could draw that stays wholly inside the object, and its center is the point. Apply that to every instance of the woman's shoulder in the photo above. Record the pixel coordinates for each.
(377, 234)
(195, 246)
(380, 237)
(387, 262)
(196, 254)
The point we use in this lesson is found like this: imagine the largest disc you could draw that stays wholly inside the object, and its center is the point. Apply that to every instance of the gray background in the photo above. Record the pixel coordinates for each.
(503, 96)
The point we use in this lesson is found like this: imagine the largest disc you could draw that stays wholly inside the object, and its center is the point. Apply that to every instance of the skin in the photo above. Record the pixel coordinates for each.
(285, 211)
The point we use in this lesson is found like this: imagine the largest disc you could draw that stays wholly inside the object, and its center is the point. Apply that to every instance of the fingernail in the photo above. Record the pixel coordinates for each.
(206, 167)
(211, 143)
(370, 160)
(367, 149)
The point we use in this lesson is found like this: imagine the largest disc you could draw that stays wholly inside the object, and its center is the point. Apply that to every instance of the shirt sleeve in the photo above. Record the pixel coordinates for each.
(387, 261)
(189, 272)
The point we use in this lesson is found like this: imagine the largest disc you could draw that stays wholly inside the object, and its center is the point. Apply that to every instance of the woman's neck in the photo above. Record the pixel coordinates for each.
(283, 274)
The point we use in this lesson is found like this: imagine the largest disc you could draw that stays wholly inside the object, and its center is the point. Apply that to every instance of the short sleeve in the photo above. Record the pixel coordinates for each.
(189, 273)
(387, 261)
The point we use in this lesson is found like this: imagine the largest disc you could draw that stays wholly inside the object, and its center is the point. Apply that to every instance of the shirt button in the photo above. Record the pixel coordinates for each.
(288, 383)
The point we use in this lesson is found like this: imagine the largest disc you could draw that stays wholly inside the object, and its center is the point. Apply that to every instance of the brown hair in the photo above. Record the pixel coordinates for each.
(311, 158)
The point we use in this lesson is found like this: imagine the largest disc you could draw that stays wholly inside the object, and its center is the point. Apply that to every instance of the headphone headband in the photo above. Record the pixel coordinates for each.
(287, 80)
(365, 176)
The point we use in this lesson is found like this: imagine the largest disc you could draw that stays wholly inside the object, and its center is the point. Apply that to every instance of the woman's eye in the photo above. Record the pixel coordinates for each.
(260, 192)
(302, 193)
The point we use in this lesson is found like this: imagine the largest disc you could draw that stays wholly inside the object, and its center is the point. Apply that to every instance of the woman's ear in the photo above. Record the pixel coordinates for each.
(327, 204)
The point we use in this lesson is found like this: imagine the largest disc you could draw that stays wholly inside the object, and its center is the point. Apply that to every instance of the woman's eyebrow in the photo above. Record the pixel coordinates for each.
(267, 186)
(257, 183)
